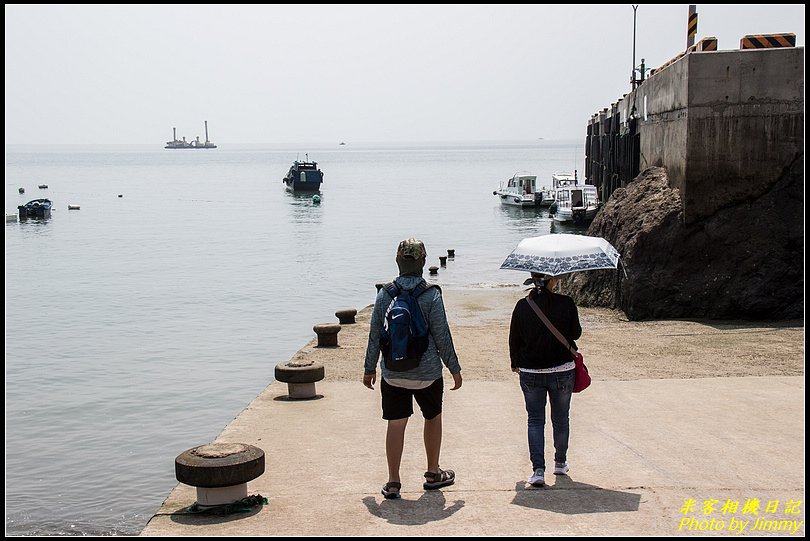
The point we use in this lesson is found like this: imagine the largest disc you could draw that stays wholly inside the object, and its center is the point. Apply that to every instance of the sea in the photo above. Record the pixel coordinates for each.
(142, 323)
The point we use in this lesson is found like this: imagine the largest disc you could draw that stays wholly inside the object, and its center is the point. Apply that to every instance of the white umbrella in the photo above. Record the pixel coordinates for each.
(561, 253)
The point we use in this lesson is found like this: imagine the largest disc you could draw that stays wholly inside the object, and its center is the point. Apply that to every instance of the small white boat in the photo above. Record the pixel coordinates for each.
(573, 202)
(518, 190)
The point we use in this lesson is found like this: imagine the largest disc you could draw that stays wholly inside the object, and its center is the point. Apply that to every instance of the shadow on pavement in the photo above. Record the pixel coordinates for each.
(571, 498)
(430, 507)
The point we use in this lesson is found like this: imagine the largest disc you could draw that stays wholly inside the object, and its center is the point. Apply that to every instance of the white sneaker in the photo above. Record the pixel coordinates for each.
(561, 468)
(537, 479)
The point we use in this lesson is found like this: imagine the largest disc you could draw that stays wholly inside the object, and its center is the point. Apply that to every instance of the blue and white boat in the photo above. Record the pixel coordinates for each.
(303, 177)
(37, 208)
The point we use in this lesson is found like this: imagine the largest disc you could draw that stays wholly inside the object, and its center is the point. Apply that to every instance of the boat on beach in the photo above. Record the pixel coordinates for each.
(303, 176)
(573, 202)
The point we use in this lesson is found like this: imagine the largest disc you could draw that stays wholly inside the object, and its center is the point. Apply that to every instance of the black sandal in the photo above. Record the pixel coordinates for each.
(439, 480)
(386, 490)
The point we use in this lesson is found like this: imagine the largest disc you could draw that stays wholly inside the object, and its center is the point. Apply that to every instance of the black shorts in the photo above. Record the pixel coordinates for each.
(397, 402)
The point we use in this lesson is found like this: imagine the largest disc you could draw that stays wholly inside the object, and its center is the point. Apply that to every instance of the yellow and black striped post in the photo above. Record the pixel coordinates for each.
(766, 41)
(691, 28)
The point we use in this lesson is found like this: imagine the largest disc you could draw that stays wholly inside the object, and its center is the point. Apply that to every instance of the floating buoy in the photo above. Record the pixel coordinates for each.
(73, 207)
(120, 195)
(43, 186)
(22, 190)
(316, 199)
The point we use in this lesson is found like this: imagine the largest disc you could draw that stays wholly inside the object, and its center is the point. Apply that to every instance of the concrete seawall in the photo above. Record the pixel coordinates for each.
(682, 418)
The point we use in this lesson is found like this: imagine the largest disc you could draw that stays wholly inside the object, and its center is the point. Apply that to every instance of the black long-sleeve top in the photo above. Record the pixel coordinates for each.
(531, 343)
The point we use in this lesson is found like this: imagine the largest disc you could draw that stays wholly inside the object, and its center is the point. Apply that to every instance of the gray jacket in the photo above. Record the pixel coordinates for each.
(440, 342)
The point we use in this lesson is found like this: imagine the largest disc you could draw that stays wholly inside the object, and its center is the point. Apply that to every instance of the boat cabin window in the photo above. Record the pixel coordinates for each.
(310, 176)
(562, 195)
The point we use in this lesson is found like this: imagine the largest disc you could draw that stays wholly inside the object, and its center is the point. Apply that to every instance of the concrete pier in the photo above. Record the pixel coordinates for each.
(682, 418)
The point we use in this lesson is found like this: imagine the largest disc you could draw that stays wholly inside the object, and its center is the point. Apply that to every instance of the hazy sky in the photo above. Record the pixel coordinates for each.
(94, 74)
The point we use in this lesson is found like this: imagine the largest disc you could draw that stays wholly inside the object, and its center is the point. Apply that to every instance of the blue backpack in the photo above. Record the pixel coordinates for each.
(405, 333)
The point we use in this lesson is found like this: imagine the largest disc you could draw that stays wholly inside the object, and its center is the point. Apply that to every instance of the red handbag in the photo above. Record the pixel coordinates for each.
(582, 379)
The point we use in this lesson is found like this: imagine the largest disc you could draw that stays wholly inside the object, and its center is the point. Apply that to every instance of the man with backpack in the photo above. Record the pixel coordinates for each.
(409, 327)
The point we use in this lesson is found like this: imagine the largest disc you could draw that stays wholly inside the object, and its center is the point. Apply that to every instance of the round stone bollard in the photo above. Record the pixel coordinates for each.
(443, 260)
(327, 334)
(379, 286)
(346, 315)
(220, 471)
(434, 269)
(451, 254)
(300, 377)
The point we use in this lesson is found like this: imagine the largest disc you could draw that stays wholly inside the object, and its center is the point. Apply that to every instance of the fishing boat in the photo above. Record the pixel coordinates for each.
(518, 190)
(573, 202)
(36, 208)
(303, 176)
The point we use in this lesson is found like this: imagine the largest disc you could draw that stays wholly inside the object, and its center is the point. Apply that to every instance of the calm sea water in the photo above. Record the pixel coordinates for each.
(140, 326)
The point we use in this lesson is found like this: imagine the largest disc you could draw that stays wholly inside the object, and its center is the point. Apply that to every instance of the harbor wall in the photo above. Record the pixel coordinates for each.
(725, 124)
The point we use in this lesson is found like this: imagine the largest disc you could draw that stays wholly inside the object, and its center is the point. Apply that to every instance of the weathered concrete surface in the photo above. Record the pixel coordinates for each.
(640, 448)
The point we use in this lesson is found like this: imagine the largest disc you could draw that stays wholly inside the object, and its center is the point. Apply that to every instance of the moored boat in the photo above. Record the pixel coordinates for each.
(303, 176)
(518, 190)
(573, 202)
(37, 208)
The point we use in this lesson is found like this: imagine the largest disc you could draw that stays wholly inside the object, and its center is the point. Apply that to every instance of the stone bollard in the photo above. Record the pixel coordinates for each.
(451, 254)
(346, 315)
(379, 286)
(300, 377)
(220, 471)
(327, 334)
(434, 269)
(443, 260)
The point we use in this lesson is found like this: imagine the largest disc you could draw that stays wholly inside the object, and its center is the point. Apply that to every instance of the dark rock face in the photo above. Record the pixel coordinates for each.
(744, 262)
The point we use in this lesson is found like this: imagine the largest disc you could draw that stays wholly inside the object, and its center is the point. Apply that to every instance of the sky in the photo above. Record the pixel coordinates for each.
(384, 73)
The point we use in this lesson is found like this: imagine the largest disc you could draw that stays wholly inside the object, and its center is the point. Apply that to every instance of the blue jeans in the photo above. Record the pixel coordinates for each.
(558, 386)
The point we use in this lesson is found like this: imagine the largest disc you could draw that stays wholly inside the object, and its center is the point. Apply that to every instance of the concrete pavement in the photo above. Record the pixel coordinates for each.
(648, 457)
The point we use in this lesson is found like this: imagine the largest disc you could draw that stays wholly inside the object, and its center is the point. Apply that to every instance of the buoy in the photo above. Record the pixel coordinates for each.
(120, 195)
(316, 199)
(73, 207)
(22, 190)
(220, 471)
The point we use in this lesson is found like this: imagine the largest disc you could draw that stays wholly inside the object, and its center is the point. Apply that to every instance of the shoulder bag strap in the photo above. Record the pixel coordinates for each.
(550, 326)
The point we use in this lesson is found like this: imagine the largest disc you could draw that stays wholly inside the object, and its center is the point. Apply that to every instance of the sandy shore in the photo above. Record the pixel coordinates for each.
(614, 348)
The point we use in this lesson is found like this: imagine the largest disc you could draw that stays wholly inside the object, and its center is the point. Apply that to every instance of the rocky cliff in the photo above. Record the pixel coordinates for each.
(744, 262)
